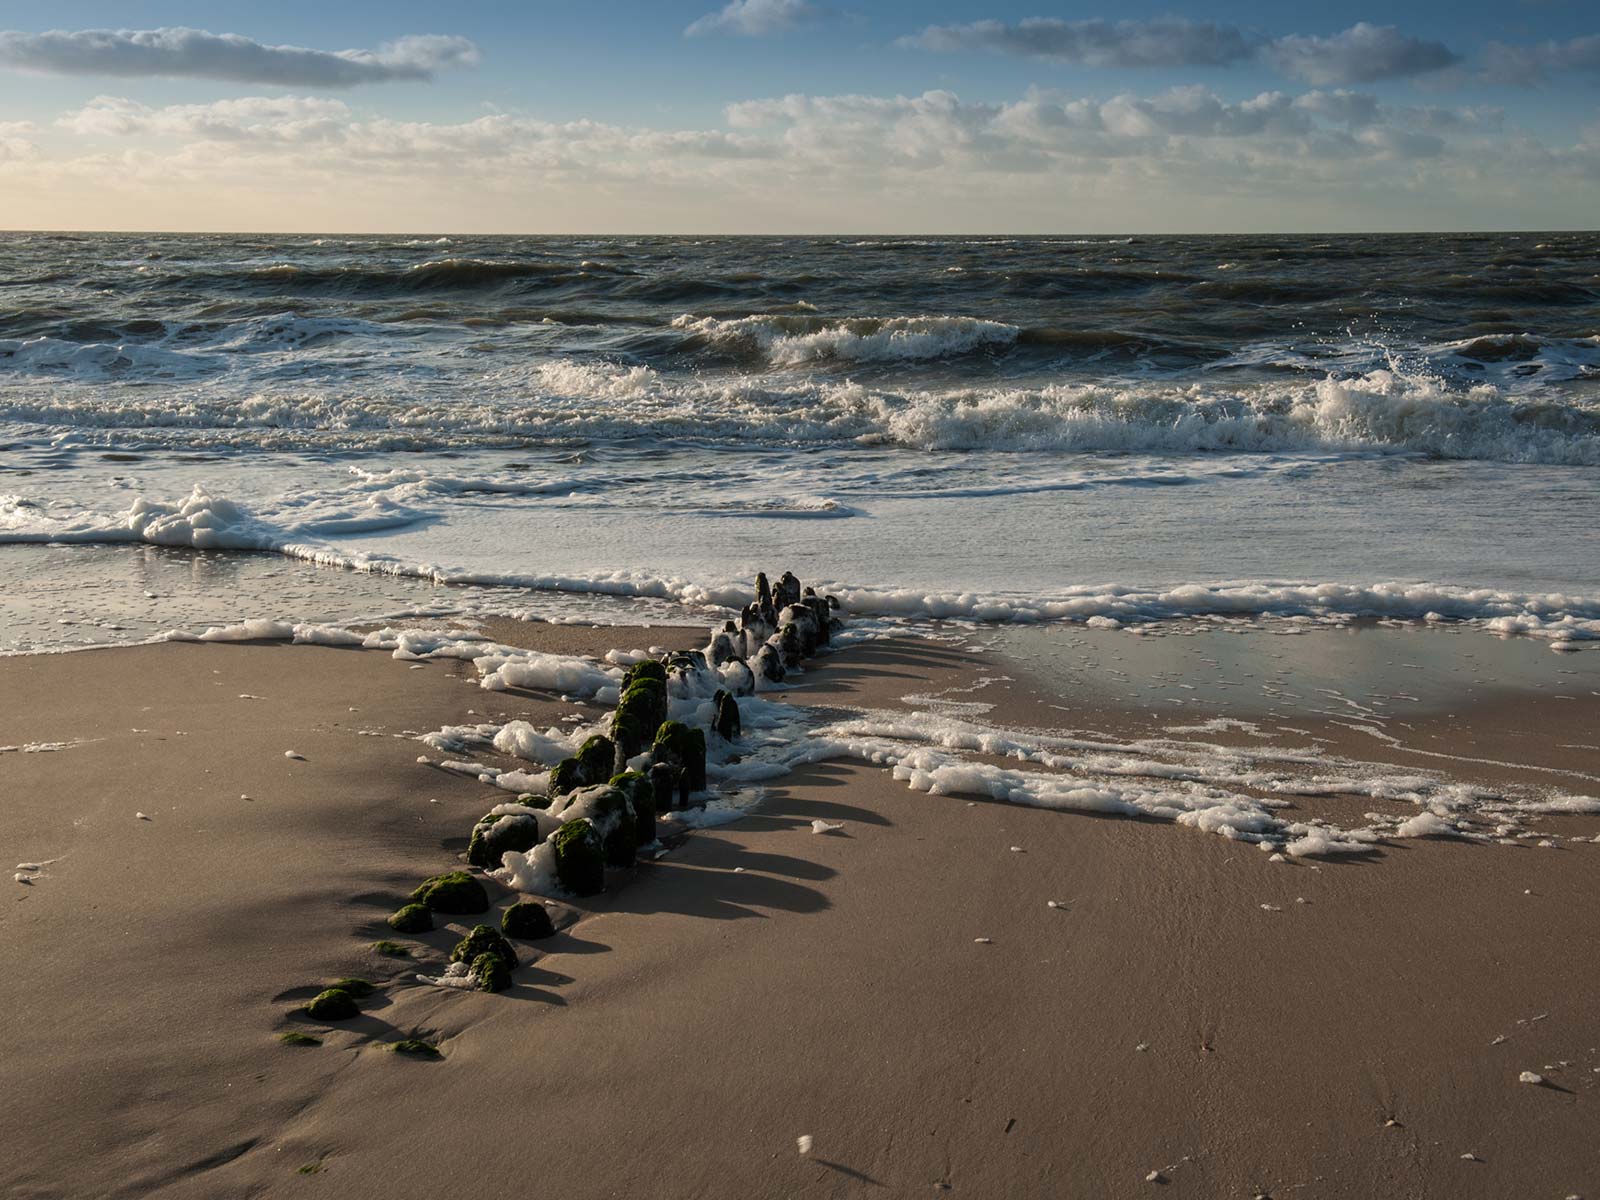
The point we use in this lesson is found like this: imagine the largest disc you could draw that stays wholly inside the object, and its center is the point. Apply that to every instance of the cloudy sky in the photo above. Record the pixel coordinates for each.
(800, 115)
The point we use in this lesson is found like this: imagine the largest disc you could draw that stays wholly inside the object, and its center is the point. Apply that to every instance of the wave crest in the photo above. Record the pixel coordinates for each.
(792, 340)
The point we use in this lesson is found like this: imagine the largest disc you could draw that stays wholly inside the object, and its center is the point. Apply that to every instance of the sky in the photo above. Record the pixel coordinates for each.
(799, 116)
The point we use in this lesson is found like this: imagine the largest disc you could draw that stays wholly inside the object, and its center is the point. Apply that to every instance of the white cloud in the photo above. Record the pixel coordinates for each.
(195, 53)
(1186, 157)
(1526, 66)
(1164, 42)
(755, 18)
(1351, 109)
(273, 118)
(16, 140)
(1361, 54)
(1364, 53)
(312, 126)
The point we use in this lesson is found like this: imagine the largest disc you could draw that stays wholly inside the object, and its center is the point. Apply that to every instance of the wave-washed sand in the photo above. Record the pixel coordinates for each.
(1188, 1017)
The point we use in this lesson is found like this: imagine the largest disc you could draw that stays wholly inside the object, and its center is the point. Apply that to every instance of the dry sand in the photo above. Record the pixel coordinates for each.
(759, 983)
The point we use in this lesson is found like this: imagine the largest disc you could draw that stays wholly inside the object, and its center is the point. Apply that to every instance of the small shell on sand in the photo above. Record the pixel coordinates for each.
(1530, 1077)
(804, 1143)
(294, 754)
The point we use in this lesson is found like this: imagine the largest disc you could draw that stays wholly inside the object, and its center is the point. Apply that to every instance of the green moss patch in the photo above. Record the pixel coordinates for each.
(295, 1038)
(483, 939)
(641, 710)
(640, 794)
(580, 858)
(645, 668)
(492, 972)
(413, 918)
(597, 755)
(335, 1004)
(356, 987)
(416, 1048)
(685, 747)
(567, 776)
(454, 892)
(394, 949)
(494, 835)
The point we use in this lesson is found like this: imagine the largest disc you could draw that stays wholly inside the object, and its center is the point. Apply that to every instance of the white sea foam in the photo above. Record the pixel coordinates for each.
(203, 521)
(1387, 410)
(791, 340)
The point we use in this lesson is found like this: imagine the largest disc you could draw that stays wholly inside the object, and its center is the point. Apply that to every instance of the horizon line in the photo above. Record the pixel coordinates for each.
(1124, 233)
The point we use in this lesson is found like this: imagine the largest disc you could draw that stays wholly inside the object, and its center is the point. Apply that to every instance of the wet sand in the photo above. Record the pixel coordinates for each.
(760, 982)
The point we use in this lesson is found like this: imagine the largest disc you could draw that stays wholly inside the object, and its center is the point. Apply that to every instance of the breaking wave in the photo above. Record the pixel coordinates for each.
(1380, 412)
(792, 340)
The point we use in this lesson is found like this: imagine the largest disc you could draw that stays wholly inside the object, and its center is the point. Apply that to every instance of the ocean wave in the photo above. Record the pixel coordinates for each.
(103, 360)
(1524, 355)
(794, 340)
(562, 400)
(1383, 411)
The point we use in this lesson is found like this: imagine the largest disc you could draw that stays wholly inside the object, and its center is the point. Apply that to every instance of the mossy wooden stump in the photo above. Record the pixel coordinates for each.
(335, 1004)
(455, 893)
(685, 747)
(580, 858)
(413, 918)
(527, 920)
(493, 835)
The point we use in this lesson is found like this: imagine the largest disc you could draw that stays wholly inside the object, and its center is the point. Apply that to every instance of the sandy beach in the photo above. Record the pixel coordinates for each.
(771, 600)
(945, 994)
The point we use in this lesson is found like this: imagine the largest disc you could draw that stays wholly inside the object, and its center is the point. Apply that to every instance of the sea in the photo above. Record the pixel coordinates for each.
(1111, 430)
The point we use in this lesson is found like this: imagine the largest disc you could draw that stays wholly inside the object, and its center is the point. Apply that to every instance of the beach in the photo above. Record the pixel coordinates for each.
(767, 600)
(941, 991)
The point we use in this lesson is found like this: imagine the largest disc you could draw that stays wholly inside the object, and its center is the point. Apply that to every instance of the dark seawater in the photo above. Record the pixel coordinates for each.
(1517, 309)
(970, 425)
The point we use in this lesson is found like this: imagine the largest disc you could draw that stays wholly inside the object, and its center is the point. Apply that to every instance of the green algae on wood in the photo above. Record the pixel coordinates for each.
(641, 708)
(484, 939)
(640, 794)
(494, 834)
(596, 756)
(454, 892)
(686, 746)
(416, 1048)
(580, 858)
(492, 972)
(335, 1004)
(567, 776)
(413, 918)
